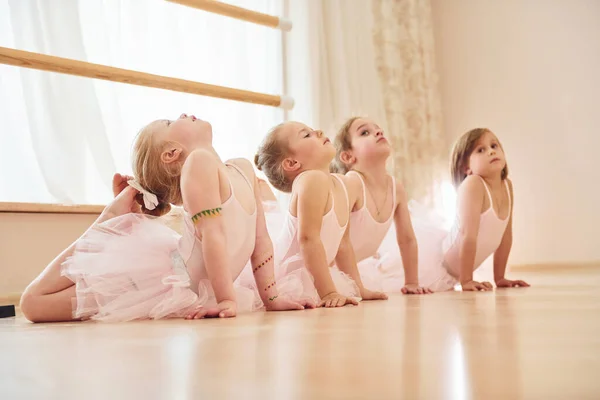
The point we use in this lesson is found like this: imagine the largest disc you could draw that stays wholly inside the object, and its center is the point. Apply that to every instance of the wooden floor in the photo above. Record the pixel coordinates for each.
(536, 343)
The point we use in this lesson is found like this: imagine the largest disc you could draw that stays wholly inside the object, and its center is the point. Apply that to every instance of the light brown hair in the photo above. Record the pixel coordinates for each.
(462, 150)
(153, 174)
(269, 157)
(342, 142)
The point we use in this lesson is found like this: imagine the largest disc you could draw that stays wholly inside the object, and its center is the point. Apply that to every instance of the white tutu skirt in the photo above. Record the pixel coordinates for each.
(295, 282)
(385, 271)
(128, 268)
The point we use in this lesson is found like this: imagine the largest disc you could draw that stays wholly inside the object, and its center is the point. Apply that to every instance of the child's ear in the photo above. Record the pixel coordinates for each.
(171, 154)
(347, 158)
(291, 165)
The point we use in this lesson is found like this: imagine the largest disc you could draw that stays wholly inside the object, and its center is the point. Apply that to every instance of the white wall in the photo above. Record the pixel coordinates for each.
(530, 71)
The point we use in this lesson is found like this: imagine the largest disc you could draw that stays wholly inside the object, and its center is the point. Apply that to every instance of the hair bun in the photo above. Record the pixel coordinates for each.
(256, 159)
(160, 210)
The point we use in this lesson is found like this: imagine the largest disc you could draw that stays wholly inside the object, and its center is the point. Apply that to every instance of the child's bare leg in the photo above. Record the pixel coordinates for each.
(49, 297)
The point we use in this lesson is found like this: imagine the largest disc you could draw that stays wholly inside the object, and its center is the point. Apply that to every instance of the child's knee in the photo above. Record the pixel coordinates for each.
(30, 306)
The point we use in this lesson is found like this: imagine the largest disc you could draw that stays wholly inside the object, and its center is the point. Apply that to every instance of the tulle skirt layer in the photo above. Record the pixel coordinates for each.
(385, 271)
(128, 268)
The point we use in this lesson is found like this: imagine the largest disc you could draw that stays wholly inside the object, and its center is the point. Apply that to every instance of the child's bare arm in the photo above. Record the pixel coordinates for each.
(503, 251)
(204, 204)
(312, 192)
(262, 259)
(345, 258)
(407, 242)
(470, 201)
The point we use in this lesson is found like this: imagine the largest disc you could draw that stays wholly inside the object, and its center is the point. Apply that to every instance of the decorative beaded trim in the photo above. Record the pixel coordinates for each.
(259, 266)
(270, 286)
(215, 212)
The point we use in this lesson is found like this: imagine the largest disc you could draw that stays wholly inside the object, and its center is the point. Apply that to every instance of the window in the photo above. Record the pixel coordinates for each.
(64, 136)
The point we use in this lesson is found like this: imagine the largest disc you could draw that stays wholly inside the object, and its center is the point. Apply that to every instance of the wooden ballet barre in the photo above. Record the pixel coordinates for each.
(44, 62)
(228, 10)
(46, 208)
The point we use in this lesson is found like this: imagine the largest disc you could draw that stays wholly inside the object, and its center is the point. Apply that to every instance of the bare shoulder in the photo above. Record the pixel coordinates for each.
(200, 162)
(472, 186)
(201, 166)
(245, 166)
(400, 190)
(353, 186)
(352, 181)
(312, 182)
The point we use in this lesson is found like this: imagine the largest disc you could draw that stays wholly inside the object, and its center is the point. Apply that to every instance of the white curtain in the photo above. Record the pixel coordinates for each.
(372, 58)
(63, 137)
(330, 66)
(330, 60)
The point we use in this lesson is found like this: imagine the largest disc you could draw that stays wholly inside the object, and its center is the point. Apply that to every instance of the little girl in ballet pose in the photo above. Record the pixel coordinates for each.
(296, 158)
(484, 219)
(376, 200)
(128, 266)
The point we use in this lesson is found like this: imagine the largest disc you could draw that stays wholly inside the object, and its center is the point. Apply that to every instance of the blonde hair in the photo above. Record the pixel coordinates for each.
(342, 142)
(462, 150)
(153, 174)
(269, 157)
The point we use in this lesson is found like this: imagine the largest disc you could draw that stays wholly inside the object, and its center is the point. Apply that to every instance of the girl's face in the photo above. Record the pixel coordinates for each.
(180, 137)
(306, 148)
(487, 158)
(368, 141)
(189, 131)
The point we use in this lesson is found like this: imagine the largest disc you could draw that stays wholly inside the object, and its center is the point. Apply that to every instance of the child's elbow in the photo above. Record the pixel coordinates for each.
(213, 237)
(345, 246)
(307, 239)
(407, 240)
(467, 240)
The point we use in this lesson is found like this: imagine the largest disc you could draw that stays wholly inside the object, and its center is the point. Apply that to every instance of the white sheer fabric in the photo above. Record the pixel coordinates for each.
(63, 137)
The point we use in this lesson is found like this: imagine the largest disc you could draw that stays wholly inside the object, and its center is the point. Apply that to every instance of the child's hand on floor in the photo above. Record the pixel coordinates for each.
(335, 299)
(504, 283)
(474, 286)
(225, 309)
(281, 303)
(413, 288)
(367, 294)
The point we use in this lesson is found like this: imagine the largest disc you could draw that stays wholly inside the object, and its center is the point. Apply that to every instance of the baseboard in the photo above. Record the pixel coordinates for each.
(10, 298)
(555, 266)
